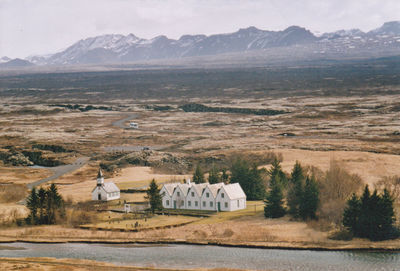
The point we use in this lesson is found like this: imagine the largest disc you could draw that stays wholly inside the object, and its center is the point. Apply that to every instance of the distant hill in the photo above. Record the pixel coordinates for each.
(296, 42)
(16, 63)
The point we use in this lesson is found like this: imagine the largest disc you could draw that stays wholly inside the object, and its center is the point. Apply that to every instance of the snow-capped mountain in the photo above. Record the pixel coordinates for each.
(4, 59)
(115, 48)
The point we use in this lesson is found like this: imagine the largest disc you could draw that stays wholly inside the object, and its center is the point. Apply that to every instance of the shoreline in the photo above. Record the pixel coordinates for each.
(210, 243)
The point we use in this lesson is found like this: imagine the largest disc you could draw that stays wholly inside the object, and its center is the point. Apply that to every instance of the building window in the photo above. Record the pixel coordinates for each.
(189, 203)
(238, 203)
(207, 195)
(226, 205)
(182, 203)
(211, 204)
(179, 194)
(196, 203)
(204, 204)
(192, 194)
(222, 195)
(167, 202)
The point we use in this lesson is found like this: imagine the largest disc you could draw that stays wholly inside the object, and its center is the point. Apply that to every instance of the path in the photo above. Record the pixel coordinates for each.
(61, 170)
(121, 123)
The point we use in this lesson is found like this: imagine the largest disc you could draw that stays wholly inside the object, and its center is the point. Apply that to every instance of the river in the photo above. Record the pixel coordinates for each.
(192, 256)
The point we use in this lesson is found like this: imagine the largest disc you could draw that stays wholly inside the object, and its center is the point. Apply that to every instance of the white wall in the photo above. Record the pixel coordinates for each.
(179, 198)
(208, 200)
(192, 199)
(104, 196)
(166, 197)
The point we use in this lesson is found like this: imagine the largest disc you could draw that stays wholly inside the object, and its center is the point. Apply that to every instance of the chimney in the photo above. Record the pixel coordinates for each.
(188, 181)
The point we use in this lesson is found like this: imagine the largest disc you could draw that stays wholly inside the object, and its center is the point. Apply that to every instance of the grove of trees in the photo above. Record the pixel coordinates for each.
(46, 206)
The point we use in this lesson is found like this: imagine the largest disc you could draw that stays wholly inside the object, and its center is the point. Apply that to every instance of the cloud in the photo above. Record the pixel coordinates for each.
(45, 26)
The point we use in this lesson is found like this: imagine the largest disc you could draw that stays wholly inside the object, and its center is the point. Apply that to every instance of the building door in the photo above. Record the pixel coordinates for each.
(219, 206)
(99, 196)
(174, 204)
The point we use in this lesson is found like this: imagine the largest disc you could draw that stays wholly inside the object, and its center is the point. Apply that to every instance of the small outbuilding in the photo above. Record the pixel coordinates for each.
(105, 191)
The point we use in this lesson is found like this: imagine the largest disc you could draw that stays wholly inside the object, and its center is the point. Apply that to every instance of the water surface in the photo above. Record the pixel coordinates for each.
(192, 256)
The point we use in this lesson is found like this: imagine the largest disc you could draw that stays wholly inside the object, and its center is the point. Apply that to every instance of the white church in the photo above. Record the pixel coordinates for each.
(105, 191)
(204, 196)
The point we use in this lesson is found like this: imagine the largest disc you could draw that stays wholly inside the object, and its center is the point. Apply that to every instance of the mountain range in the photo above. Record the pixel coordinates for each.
(295, 41)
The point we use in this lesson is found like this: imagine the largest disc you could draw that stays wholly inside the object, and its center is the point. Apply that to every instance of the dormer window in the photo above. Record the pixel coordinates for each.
(207, 195)
(222, 195)
(178, 194)
(192, 194)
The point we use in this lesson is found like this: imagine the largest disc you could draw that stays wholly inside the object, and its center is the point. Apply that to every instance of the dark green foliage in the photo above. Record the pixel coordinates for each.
(49, 203)
(371, 216)
(82, 108)
(274, 201)
(48, 147)
(193, 107)
(309, 200)
(224, 176)
(37, 158)
(198, 175)
(295, 190)
(214, 176)
(32, 204)
(249, 179)
(154, 197)
(276, 170)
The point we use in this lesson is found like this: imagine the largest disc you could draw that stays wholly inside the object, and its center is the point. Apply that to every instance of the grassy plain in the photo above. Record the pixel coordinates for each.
(352, 118)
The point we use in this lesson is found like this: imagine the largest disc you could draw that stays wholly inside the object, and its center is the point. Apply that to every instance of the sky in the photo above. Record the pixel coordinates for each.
(36, 27)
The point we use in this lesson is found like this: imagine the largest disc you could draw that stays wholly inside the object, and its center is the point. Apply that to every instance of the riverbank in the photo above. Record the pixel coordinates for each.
(76, 264)
(358, 245)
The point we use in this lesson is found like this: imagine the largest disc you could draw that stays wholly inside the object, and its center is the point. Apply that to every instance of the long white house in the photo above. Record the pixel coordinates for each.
(105, 191)
(205, 196)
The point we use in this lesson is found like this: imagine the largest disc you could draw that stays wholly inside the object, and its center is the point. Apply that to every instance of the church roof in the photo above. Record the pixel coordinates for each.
(110, 187)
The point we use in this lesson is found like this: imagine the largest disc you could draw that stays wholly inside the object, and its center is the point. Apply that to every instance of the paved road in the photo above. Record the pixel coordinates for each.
(121, 123)
(61, 170)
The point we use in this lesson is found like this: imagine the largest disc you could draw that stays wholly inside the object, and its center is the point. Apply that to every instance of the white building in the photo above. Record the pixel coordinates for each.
(205, 196)
(105, 191)
(231, 198)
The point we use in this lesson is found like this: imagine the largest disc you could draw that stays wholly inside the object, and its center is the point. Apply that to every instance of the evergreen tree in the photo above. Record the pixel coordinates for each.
(54, 204)
(154, 197)
(351, 214)
(224, 176)
(42, 205)
(371, 216)
(32, 204)
(276, 170)
(295, 190)
(249, 179)
(198, 175)
(274, 201)
(310, 199)
(213, 176)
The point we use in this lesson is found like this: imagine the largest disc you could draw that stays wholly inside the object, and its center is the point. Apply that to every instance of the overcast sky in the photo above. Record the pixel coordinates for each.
(46, 26)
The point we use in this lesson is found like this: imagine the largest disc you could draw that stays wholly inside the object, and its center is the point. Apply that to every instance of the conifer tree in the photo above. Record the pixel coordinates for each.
(213, 176)
(274, 201)
(42, 205)
(224, 176)
(198, 175)
(295, 190)
(32, 204)
(310, 199)
(351, 214)
(249, 179)
(154, 197)
(276, 170)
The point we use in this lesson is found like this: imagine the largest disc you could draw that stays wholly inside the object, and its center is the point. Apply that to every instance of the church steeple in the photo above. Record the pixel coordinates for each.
(100, 178)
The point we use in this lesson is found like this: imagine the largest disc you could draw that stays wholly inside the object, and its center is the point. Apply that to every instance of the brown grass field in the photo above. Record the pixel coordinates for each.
(361, 133)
